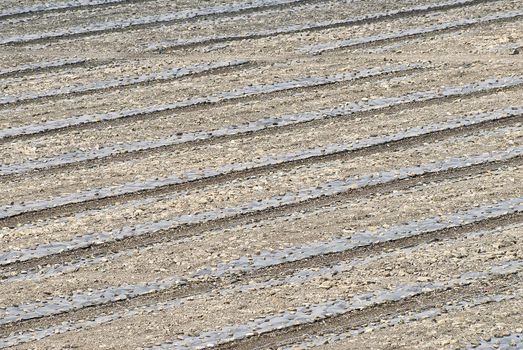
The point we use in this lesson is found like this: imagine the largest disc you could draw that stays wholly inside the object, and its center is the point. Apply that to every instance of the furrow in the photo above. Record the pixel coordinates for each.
(42, 66)
(464, 219)
(148, 21)
(135, 149)
(80, 148)
(80, 300)
(329, 189)
(314, 251)
(266, 124)
(448, 330)
(313, 341)
(410, 33)
(24, 231)
(59, 7)
(235, 237)
(261, 174)
(247, 91)
(300, 28)
(263, 164)
(99, 86)
(300, 277)
(330, 311)
(356, 327)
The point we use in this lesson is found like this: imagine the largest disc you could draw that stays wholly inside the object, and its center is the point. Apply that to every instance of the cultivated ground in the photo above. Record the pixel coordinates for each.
(263, 174)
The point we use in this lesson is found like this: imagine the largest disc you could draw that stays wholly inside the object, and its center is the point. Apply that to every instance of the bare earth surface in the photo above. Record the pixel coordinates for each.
(264, 174)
